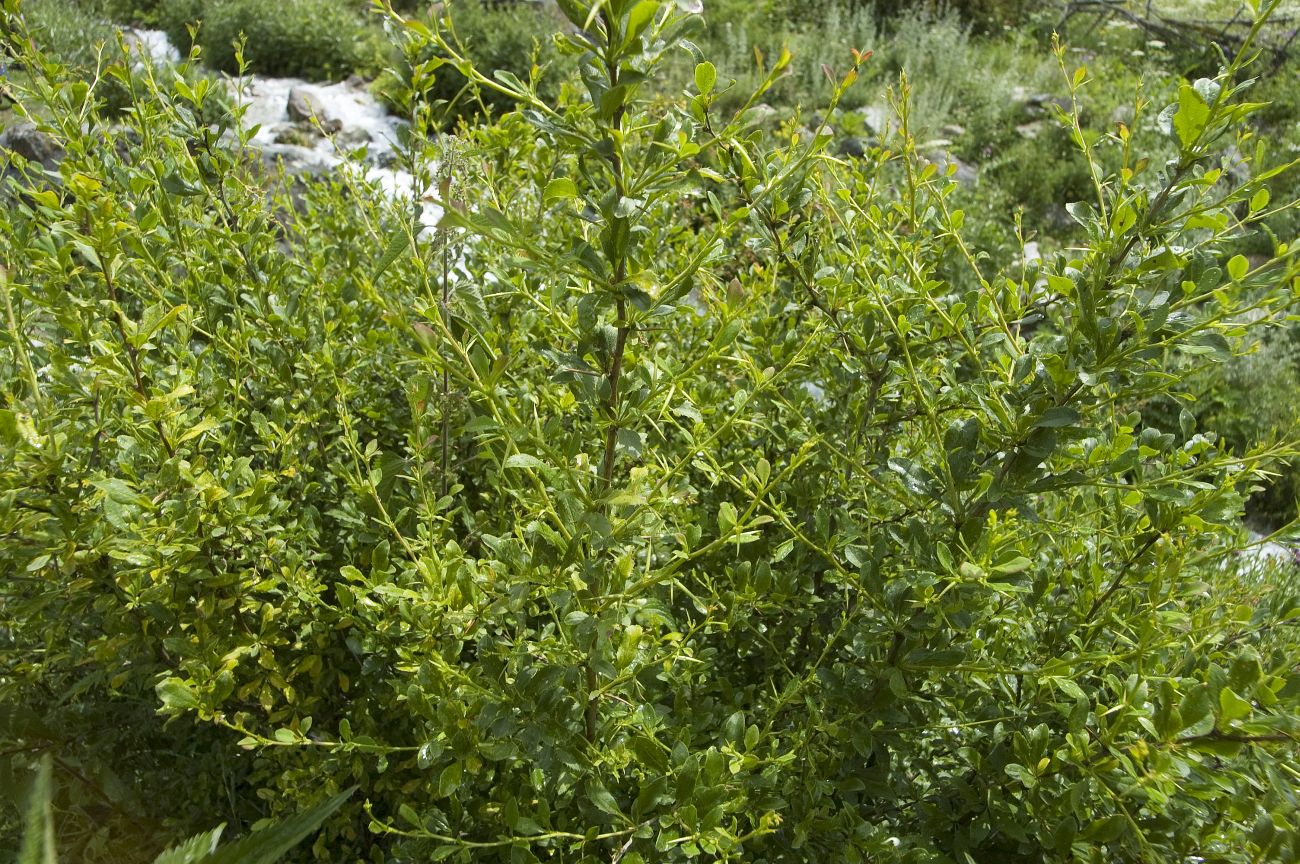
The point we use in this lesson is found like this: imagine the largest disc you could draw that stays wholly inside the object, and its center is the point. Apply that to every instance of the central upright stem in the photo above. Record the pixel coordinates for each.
(614, 373)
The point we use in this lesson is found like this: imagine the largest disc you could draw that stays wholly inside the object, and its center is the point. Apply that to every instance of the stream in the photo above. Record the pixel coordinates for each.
(291, 115)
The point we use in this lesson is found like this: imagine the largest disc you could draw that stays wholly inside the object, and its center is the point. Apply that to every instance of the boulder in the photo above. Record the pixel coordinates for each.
(303, 107)
(965, 173)
(1038, 104)
(852, 147)
(32, 144)
(878, 119)
(353, 138)
(1030, 130)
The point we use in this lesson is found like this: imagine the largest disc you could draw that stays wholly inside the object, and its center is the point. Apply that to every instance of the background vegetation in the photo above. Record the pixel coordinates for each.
(722, 479)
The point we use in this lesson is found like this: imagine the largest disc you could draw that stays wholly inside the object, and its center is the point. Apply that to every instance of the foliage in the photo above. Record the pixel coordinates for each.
(1247, 400)
(511, 38)
(264, 847)
(313, 39)
(984, 13)
(75, 33)
(683, 495)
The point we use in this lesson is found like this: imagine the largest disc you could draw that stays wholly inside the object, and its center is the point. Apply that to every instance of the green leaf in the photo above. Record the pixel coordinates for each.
(38, 830)
(1105, 830)
(627, 207)
(523, 460)
(194, 850)
(449, 780)
(727, 516)
(1232, 707)
(17, 429)
(176, 695)
(559, 189)
(1191, 116)
(397, 244)
(1238, 266)
(598, 795)
(706, 75)
(1018, 564)
(734, 727)
(149, 328)
(269, 844)
(1195, 709)
(1058, 416)
(639, 19)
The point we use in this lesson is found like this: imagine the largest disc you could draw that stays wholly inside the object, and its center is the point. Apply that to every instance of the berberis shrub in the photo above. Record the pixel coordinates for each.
(677, 497)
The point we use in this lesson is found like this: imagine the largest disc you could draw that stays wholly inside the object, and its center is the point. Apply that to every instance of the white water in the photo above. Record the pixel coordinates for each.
(362, 118)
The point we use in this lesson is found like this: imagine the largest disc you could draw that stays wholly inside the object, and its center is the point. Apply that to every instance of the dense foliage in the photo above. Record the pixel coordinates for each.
(40, 833)
(315, 39)
(687, 493)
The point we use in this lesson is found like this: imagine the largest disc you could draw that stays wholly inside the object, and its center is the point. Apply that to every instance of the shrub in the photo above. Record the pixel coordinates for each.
(313, 39)
(264, 847)
(75, 34)
(667, 502)
(510, 38)
(1248, 401)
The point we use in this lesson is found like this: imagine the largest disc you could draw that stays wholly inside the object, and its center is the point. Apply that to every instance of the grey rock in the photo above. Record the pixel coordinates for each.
(965, 173)
(1236, 170)
(763, 114)
(353, 138)
(877, 119)
(1031, 130)
(1038, 104)
(1057, 218)
(33, 145)
(297, 134)
(304, 108)
(853, 147)
(952, 130)
(1044, 103)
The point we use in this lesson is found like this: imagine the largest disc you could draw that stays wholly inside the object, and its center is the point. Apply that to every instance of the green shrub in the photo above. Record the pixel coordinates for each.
(76, 34)
(39, 845)
(1248, 401)
(668, 501)
(313, 39)
(510, 38)
(987, 14)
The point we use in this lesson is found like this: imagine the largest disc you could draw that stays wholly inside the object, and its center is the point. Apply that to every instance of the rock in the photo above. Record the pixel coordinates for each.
(353, 138)
(33, 145)
(356, 82)
(1043, 103)
(764, 115)
(964, 174)
(853, 147)
(877, 119)
(297, 134)
(1038, 104)
(1057, 218)
(1236, 170)
(952, 130)
(303, 107)
(293, 161)
(1030, 130)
